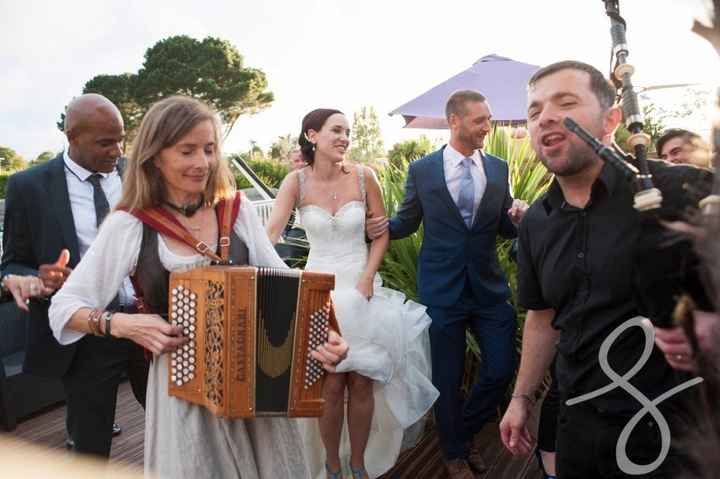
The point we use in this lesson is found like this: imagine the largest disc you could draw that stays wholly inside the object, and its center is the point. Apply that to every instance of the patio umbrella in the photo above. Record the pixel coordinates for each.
(502, 80)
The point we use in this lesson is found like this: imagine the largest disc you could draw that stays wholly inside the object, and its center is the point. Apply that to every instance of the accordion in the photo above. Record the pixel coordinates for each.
(251, 331)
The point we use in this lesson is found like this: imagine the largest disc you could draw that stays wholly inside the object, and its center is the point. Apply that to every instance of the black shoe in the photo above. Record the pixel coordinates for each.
(69, 443)
(116, 430)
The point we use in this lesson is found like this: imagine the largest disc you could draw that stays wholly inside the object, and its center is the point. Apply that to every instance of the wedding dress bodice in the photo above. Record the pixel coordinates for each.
(337, 242)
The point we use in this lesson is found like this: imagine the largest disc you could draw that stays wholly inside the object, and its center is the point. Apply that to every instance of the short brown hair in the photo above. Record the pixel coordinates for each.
(457, 103)
(667, 135)
(165, 123)
(600, 86)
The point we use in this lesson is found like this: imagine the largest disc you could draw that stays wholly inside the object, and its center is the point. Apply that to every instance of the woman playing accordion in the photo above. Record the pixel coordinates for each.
(176, 166)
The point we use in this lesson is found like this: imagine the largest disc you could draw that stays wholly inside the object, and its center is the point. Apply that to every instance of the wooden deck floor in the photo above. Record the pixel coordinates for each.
(423, 462)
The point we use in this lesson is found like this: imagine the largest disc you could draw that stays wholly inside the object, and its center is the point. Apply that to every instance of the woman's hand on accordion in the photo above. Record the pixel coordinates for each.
(332, 352)
(149, 331)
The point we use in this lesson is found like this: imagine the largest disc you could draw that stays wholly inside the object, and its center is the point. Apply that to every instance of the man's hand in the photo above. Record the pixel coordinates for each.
(23, 288)
(376, 227)
(675, 345)
(332, 352)
(517, 211)
(513, 427)
(54, 275)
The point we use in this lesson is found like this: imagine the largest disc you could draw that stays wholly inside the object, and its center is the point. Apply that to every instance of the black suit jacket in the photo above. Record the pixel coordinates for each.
(38, 225)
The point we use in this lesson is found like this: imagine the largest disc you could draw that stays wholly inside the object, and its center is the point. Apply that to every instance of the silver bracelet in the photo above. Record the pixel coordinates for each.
(105, 318)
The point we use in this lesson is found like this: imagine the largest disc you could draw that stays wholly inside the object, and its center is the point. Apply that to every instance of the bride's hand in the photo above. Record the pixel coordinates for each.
(365, 287)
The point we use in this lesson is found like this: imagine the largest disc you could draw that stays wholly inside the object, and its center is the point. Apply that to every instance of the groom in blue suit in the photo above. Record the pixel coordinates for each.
(462, 197)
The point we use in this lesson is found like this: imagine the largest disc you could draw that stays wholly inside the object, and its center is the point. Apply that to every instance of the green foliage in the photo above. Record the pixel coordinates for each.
(281, 148)
(367, 144)
(399, 266)
(44, 156)
(270, 172)
(10, 160)
(211, 70)
(3, 183)
(653, 125)
(409, 150)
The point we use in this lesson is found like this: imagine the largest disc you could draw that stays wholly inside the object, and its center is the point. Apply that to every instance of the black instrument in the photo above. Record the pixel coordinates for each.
(666, 266)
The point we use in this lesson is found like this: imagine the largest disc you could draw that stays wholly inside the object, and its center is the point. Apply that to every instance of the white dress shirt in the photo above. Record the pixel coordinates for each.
(80, 193)
(454, 171)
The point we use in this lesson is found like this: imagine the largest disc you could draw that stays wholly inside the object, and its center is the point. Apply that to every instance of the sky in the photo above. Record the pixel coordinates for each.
(342, 54)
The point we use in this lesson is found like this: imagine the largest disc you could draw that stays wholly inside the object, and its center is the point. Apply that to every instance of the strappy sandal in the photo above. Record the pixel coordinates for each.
(333, 475)
(538, 456)
(359, 473)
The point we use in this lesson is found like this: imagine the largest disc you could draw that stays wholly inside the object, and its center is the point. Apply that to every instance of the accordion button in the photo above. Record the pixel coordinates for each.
(192, 335)
(191, 367)
(192, 327)
(178, 383)
(191, 376)
(191, 359)
(193, 296)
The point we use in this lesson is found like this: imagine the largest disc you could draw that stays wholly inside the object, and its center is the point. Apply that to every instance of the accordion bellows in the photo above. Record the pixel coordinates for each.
(251, 331)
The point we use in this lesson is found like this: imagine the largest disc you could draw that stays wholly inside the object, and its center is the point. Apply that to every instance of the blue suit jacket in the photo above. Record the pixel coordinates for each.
(451, 252)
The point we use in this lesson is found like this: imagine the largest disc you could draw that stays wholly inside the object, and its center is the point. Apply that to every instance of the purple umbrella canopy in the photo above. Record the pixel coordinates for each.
(502, 80)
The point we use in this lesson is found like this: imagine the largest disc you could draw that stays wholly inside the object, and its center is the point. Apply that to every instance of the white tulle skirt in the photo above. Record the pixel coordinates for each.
(388, 338)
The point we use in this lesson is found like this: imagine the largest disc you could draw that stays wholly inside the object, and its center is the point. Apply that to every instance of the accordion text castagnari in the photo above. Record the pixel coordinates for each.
(251, 331)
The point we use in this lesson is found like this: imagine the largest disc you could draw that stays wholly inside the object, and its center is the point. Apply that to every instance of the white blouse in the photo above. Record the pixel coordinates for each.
(113, 256)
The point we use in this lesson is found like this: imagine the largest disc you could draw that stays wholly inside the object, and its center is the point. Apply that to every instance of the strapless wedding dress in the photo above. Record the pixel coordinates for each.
(387, 335)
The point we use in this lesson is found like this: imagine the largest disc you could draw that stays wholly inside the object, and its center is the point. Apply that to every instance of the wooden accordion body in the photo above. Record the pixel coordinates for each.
(251, 331)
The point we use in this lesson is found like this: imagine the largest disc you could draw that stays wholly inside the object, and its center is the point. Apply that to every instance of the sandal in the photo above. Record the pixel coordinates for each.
(359, 473)
(333, 475)
(542, 465)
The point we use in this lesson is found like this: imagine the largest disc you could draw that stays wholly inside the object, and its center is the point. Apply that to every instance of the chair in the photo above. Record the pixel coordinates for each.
(20, 394)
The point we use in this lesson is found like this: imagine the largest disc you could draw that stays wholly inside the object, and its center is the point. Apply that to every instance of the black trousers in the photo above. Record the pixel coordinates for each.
(91, 386)
(587, 439)
(547, 425)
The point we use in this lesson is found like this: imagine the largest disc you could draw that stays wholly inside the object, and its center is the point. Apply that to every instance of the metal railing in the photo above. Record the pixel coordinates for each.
(263, 209)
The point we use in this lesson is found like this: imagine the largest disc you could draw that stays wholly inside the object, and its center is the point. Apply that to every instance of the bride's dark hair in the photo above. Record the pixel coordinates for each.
(313, 121)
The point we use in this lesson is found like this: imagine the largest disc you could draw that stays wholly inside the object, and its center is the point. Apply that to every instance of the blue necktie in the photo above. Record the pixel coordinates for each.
(466, 198)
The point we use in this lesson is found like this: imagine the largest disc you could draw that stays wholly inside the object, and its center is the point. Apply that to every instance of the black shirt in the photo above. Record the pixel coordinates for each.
(578, 261)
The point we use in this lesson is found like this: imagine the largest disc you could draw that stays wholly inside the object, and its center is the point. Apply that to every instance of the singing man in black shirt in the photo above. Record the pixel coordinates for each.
(575, 279)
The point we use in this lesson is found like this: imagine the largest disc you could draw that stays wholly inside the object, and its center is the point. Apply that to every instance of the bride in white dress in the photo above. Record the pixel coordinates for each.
(387, 371)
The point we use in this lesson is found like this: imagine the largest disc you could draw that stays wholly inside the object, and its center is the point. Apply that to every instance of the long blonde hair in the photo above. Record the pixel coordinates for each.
(165, 123)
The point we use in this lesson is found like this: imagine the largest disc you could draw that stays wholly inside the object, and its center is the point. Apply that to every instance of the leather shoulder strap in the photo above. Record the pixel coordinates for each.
(165, 223)
(227, 212)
